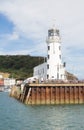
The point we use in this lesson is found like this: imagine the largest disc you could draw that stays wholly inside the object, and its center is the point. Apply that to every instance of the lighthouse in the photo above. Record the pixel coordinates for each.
(55, 67)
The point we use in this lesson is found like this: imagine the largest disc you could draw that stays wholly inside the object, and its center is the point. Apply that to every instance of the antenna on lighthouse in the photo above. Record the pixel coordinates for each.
(54, 23)
(54, 26)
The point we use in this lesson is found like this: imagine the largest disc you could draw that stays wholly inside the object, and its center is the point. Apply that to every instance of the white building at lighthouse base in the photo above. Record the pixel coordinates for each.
(41, 73)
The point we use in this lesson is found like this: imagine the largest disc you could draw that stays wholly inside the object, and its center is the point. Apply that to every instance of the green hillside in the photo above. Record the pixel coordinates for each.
(19, 66)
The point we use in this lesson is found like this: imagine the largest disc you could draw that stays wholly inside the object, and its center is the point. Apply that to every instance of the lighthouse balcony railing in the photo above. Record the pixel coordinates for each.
(53, 39)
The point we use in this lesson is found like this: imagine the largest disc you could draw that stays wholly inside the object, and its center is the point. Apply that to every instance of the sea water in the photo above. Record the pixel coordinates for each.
(16, 116)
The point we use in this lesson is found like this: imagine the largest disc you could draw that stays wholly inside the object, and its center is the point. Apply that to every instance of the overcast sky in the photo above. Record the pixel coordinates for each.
(24, 25)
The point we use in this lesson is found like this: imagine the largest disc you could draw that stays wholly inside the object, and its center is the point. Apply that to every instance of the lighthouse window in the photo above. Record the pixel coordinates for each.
(59, 47)
(57, 75)
(48, 47)
(47, 66)
(48, 56)
(60, 56)
(47, 76)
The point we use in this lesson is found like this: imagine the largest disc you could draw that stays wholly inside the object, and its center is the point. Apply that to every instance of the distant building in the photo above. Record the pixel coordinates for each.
(53, 68)
(1, 76)
(9, 82)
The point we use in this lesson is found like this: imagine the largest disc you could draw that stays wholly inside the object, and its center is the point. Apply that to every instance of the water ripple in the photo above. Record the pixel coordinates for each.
(17, 116)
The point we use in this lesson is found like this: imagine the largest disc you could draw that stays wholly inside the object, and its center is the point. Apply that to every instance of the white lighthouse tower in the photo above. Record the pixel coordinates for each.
(55, 67)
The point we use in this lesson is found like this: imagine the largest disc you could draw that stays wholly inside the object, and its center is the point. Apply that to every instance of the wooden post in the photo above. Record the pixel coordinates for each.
(57, 95)
(33, 95)
(43, 95)
(62, 94)
(76, 94)
(52, 95)
(38, 98)
(71, 94)
(48, 96)
(81, 95)
(67, 95)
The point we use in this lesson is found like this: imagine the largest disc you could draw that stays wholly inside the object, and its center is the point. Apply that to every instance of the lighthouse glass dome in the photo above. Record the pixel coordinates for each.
(53, 32)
